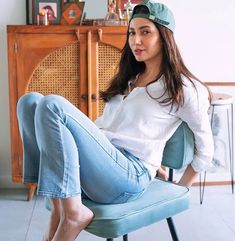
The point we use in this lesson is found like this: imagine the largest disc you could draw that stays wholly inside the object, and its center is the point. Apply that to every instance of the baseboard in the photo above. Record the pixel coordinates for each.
(214, 183)
(6, 182)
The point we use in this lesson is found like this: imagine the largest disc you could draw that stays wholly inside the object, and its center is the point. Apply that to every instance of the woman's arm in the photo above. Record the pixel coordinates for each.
(188, 177)
(195, 113)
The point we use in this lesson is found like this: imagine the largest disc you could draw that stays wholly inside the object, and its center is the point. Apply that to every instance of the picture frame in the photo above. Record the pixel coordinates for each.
(120, 4)
(72, 13)
(52, 7)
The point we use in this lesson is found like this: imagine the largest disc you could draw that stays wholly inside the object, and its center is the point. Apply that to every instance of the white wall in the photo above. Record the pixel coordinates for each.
(11, 12)
(96, 8)
(205, 32)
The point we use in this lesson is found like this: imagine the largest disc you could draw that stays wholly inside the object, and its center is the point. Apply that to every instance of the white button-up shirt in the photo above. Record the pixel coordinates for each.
(142, 126)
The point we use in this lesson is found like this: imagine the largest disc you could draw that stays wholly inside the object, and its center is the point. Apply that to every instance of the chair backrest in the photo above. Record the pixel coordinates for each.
(179, 149)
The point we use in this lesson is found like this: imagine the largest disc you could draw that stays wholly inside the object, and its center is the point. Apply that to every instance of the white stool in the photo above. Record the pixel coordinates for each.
(225, 101)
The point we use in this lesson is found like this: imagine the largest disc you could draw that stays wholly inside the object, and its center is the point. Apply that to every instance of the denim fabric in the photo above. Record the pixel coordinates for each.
(66, 154)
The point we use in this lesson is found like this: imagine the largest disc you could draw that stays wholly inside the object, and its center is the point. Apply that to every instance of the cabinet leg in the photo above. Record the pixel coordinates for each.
(32, 188)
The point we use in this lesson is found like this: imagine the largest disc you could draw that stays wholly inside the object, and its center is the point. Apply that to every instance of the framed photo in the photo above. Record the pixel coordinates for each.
(51, 7)
(120, 3)
(72, 13)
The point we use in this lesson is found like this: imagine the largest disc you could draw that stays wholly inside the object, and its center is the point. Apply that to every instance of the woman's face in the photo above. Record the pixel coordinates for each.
(145, 40)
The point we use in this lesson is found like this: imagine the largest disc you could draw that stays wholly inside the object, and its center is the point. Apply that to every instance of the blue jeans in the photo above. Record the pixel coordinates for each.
(67, 154)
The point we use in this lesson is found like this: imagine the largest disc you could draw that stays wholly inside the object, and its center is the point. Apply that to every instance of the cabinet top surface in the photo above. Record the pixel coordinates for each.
(63, 28)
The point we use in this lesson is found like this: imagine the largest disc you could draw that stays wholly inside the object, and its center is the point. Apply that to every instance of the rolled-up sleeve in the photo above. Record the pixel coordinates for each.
(195, 113)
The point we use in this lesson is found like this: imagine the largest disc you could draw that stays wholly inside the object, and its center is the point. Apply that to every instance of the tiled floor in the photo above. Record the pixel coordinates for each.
(214, 220)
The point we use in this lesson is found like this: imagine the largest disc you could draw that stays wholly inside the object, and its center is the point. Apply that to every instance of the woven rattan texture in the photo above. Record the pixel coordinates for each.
(59, 73)
(108, 64)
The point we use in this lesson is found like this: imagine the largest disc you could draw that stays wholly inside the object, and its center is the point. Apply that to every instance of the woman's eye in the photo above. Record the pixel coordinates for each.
(131, 33)
(145, 32)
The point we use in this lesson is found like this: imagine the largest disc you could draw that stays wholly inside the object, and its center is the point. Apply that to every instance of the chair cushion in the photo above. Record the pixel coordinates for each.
(179, 149)
(161, 200)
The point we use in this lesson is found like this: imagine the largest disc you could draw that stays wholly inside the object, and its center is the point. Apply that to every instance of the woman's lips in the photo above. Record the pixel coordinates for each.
(138, 51)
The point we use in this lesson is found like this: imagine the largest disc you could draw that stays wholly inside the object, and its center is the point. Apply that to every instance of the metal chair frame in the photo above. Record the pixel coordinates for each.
(230, 146)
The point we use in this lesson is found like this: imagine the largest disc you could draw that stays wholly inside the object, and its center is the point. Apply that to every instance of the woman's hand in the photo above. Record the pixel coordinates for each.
(188, 177)
(161, 173)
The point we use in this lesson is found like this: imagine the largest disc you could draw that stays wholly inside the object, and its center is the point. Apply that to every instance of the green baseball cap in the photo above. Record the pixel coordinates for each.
(158, 13)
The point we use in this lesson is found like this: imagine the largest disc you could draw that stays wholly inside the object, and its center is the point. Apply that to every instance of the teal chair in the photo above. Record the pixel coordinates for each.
(162, 200)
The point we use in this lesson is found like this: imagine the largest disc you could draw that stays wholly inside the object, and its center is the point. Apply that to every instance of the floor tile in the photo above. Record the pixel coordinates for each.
(214, 220)
(39, 221)
(15, 215)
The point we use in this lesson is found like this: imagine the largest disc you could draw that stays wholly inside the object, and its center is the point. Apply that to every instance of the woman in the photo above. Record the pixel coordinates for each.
(50, 13)
(115, 159)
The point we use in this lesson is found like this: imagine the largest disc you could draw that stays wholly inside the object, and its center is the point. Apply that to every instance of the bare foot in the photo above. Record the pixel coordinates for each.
(53, 224)
(72, 224)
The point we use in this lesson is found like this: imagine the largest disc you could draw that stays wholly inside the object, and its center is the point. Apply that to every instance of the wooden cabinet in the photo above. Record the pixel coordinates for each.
(73, 61)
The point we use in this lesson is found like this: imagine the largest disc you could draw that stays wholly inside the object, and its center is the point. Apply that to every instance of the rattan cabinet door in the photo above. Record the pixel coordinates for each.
(104, 51)
(73, 61)
(49, 60)
(59, 73)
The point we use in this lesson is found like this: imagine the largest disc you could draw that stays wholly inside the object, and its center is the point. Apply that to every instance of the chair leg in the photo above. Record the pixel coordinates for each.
(172, 229)
(171, 172)
(202, 186)
(125, 237)
(230, 141)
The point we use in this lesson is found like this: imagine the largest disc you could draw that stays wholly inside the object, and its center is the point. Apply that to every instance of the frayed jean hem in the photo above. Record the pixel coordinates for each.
(59, 195)
(30, 180)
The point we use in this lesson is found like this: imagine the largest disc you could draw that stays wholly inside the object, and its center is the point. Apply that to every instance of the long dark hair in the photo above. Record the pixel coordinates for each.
(173, 69)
